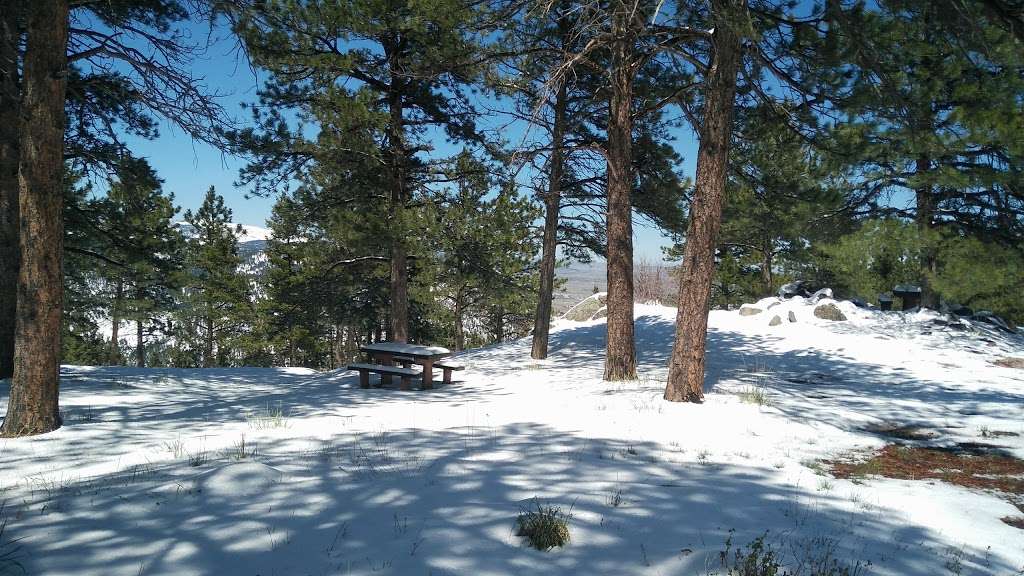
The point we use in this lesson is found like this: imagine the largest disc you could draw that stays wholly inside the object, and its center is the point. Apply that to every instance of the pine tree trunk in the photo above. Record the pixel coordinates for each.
(399, 264)
(115, 325)
(686, 370)
(10, 253)
(767, 279)
(140, 345)
(552, 209)
(498, 324)
(620, 356)
(460, 330)
(208, 342)
(925, 219)
(33, 404)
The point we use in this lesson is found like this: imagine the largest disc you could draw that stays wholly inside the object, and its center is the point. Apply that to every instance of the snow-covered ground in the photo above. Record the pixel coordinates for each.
(146, 475)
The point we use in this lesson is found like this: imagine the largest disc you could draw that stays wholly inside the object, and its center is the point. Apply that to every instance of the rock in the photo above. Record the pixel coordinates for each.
(829, 312)
(775, 321)
(860, 303)
(792, 289)
(587, 308)
(989, 317)
(823, 293)
(792, 316)
(749, 311)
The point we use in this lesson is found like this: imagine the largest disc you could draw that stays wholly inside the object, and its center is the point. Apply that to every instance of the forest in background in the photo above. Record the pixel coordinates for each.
(844, 144)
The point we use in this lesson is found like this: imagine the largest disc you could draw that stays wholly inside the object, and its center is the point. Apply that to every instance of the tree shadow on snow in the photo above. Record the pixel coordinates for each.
(416, 502)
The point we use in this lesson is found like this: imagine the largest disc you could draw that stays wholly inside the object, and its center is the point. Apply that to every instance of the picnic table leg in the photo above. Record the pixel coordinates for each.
(428, 374)
(387, 360)
(364, 379)
(406, 383)
(447, 375)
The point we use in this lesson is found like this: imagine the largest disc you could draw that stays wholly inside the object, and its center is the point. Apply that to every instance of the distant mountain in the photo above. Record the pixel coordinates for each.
(252, 246)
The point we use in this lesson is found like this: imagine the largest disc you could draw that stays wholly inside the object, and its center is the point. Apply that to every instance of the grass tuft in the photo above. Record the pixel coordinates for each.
(10, 551)
(544, 528)
(267, 418)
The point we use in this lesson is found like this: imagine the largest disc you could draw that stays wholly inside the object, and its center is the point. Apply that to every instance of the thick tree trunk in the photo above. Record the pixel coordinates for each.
(10, 253)
(686, 370)
(552, 207)
(33, 408)
(620, 355)
(115, 325)
(140, 345)
(925, 219)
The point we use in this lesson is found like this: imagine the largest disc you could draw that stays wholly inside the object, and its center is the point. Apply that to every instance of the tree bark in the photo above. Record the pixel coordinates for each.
(460, 329)
(10, 253)
(208, 342)
(115, 325)
(767, 278)
(552, 207)
(925, 220)
(33, 404)
(396, 142)
(686, 369)
(140, 345)
(620, 354)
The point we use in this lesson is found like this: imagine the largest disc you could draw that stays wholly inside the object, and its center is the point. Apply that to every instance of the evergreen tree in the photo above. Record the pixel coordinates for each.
(486, 255)
(938, 113)
(377, 102)
(216, 304)
(147, 253)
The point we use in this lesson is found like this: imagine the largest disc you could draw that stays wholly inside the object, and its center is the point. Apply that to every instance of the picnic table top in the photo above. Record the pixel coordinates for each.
(406, 349)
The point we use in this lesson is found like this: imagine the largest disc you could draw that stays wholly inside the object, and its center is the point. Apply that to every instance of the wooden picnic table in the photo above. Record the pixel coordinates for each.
(425, 356)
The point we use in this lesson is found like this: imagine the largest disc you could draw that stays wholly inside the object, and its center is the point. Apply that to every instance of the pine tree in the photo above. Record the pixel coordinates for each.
(486, 256)
(407, 74)
(216, 307)
(938, 117)
(148, 250)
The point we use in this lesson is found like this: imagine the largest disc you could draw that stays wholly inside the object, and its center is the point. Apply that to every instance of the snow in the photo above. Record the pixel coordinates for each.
(249, 232)
(410, 349)
(352, 481)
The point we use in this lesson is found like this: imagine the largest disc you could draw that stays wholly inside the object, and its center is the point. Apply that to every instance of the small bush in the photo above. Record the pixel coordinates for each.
(544, 528)
(815, 557)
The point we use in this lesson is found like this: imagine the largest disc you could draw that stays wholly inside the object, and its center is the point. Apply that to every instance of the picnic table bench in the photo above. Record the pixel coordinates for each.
(386, 354)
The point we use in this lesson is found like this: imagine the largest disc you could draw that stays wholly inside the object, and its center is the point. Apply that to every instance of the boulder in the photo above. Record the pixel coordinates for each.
(792, 289)
(829, 312)
(775, 321)
(792, 316)
(587, 308)
(989, 317)
(749, 311)
(820, 294)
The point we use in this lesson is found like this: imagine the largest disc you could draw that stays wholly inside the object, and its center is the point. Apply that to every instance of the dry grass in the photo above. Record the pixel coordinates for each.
(972, 465)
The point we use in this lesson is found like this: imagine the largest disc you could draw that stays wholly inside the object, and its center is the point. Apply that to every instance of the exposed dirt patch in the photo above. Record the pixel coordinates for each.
(972, 464)
(1010, 362)
(901, 432)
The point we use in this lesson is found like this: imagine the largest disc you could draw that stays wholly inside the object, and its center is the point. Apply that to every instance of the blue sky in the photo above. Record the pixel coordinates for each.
(189, 167)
